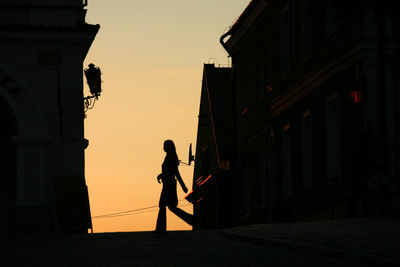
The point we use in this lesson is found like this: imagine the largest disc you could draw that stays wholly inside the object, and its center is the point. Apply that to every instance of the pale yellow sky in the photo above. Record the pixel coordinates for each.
(151, 54)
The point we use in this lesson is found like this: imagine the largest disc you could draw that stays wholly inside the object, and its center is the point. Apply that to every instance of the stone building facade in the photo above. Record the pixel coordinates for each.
(42, 48)
(316, 96)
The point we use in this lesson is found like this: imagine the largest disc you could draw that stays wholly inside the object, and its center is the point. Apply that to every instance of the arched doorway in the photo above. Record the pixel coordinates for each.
(8, 129)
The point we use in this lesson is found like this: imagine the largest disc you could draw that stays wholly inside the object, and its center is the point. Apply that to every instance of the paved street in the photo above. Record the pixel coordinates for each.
(372, 241)
(181, 248)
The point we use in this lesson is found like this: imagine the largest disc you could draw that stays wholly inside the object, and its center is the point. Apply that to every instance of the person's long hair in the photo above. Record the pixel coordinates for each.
(170, 149)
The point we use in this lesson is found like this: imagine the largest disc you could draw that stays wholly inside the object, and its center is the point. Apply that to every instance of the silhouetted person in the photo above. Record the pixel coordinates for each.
(168, 196)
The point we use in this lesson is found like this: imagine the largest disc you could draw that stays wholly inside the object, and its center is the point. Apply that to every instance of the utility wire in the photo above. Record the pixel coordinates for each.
(131, 212)
(123, 212)
(141, 212)
(121, 215)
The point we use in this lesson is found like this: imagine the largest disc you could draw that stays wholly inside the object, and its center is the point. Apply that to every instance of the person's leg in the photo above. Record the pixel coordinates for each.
(162, 220)
(188, 218)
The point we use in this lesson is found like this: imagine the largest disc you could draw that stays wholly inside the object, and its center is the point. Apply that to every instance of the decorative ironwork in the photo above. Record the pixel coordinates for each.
(89, 102)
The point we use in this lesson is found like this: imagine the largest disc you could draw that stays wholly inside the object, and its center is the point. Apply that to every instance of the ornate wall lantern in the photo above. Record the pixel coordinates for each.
(93, 78)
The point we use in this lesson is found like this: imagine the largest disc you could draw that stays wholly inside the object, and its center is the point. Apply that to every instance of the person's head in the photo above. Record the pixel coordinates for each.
(169, 147)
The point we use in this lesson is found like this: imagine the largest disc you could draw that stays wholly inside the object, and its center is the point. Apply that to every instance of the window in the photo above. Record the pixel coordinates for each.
(303, 29)
(263, 176)
(286, 39)
(269, 65)
(261, 69)
(307, 151)
(246, 187)
(243, 79)
(287, 160)
(271, 168)
(333, 166)
(331, 20)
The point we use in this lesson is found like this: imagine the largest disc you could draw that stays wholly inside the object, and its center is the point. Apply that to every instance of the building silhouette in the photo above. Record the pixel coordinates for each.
(316, 99)
(213, 184)
(42, 167)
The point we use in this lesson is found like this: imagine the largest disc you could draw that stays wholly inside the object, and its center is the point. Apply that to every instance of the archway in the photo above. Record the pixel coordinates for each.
(8, 179)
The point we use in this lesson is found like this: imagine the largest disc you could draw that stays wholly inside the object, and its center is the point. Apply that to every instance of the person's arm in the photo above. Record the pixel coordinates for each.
(178, 176)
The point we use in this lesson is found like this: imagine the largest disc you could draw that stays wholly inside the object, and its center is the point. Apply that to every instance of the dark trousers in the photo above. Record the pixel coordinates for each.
(162, 217)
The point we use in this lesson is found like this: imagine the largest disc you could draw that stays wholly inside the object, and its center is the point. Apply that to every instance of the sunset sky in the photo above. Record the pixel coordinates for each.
(151, 54)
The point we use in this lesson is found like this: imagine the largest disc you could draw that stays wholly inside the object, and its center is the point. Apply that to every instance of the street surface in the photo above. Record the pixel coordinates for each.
(180, 248)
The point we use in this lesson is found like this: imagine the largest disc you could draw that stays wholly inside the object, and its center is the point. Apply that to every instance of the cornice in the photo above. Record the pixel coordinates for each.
(313, 80)
(248, 22)
(84, 27)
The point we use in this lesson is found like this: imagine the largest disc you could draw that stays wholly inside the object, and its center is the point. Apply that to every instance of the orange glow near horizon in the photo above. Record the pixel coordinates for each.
(151, 55)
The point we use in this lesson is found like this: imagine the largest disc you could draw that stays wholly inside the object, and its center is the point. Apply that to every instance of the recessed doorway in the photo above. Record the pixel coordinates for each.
(8, 129)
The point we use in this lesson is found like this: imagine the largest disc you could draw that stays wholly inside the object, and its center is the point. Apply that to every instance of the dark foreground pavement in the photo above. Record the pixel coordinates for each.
(301, 244)
(362, 241)
(201, 248)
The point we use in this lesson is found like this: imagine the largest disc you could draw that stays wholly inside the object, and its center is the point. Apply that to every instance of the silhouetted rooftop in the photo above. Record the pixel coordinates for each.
(77, 3)
(250, 7)
(39, 28)
(241, 25)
